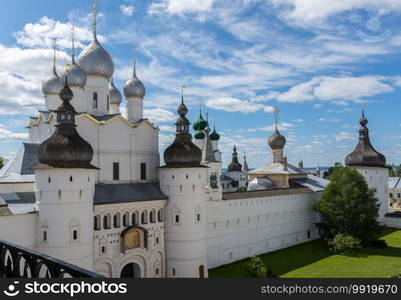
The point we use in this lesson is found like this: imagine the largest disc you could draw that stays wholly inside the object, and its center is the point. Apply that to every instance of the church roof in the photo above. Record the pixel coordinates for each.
(22, 162)
(104, 194)
(127, 192)
(276, 168)
(364, 154)
(312, 182)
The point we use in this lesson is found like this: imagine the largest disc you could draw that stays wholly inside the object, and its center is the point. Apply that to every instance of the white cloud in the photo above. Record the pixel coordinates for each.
(7, 135)
(231, 104)
(159, 115)
(180, 6)
(43, 33)
(127, 10)
(282, 126)
(337, 90)
(329, 120)
(314, 12)
(167, 128)
(344, 136)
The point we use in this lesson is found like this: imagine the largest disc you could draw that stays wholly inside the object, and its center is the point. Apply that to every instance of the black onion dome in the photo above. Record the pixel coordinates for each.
(276, 140)
(235, 165)
(364, 154)
(66, 148)
(182, 152)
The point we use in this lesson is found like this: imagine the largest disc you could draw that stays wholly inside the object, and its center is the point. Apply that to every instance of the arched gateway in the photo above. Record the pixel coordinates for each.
(131, 270)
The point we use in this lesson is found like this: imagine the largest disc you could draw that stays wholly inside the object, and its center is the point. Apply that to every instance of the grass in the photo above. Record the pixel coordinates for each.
(313, 260)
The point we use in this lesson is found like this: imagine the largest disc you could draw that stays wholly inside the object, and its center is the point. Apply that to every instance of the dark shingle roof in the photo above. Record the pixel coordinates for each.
(134, 192)
(104, 194)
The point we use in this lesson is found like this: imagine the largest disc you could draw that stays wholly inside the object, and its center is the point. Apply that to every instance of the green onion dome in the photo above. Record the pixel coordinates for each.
(199, 124)
(199, 135)
(214, 136)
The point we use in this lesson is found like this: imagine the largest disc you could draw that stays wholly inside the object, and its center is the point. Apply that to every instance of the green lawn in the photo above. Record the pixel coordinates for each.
(312, 259)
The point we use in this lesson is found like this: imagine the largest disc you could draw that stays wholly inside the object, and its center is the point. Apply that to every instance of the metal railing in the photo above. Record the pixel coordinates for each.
(20, 262)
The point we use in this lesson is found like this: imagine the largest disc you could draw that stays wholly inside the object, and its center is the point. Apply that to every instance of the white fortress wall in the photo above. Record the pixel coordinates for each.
(245, 227)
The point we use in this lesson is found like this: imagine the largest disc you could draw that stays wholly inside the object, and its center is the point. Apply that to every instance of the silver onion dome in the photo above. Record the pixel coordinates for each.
(134, 88)
(76, 77)
(115, 95)
(276, 140)
(52, 84)
(95, 60)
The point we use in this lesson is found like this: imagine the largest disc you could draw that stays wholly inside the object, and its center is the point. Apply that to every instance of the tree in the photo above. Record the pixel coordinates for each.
(1, 162)
(330, 170)
(349, 207)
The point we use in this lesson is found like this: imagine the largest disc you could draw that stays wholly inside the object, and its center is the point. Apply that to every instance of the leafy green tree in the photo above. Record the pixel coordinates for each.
(394, 171)
(330, 170)
(349, 207)
(1, 162)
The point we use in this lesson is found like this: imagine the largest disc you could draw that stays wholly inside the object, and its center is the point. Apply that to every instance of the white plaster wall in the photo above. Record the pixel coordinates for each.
(65, 205)
(134, 108)
(19, 229)
(52, 101)
(113, 260)
(101, 86)
(186, 248)
(377, 178)
(17, 187)
(78, 101)
(241, 228)
(115, 141)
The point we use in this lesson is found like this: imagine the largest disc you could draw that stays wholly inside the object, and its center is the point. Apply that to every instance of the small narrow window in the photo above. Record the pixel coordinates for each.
(103, 249)
(157, 241)
(157, 271)
(44, 235)
(177, 219)
(95, 100)
(308, 234)
(198, 217)
(70, 178)
(108, 102)
(75, 235)
(173, 271)
(96, 224)
(59, 194)
(49, 180)
(143, 171)
(116, 171)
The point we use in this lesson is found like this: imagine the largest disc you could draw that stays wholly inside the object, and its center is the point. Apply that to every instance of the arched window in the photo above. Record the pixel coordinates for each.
(96, 223)
(135, 218)
(116, 220)
(95, 100)
(106, 222)
(160, 215)
(126, 219)
(153, 216)
(144, 217)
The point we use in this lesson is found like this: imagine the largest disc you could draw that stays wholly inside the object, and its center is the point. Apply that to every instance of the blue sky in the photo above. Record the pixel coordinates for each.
(320, 62)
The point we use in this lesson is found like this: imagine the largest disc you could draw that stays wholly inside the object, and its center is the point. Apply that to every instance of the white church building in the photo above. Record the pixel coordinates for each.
(88, 188)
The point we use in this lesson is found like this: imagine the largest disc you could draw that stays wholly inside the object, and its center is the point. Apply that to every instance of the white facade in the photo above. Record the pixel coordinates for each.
(112, 220)
(186, 249)
(65, 219)
(134, 109)
(244, 227)
(377, 178)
